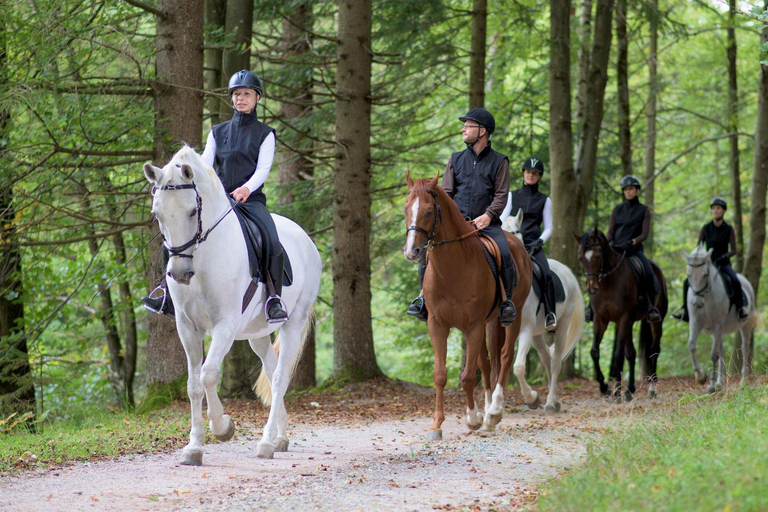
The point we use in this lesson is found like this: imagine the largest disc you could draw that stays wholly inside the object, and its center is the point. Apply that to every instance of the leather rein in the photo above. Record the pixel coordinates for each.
(431, 244)
(600, 274)
(199, 236)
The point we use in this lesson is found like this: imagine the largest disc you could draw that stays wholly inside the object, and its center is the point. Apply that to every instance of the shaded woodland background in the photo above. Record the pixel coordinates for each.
(359, 92)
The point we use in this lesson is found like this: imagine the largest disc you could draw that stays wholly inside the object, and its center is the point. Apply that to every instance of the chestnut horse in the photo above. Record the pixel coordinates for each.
(615, 298)
(460, 292)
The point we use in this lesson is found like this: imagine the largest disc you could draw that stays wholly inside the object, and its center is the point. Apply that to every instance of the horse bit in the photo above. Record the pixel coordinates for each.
(199, 237)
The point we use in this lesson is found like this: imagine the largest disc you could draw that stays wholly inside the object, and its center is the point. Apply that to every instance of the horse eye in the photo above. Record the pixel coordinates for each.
(194, 212)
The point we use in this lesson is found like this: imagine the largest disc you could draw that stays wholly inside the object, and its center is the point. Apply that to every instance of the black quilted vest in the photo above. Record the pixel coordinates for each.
(531, 201)
(238, 142)
(475, 179)
(718, 239)
(629, 221)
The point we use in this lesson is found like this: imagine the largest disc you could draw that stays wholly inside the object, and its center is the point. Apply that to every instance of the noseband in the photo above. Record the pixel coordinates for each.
(600, 274)
(704, 289)
(199, 237)
(430, 235)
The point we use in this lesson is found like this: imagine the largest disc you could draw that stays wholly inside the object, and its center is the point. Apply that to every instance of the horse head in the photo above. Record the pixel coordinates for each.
(513, 224)
(699, 264)
(593, 247)
(179, 190)
(422, 215)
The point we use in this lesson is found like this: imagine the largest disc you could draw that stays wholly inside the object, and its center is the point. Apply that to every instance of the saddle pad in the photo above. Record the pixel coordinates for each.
(728, 283)
(254, 234)
(637, 269)
(493, 255)
(538, 283)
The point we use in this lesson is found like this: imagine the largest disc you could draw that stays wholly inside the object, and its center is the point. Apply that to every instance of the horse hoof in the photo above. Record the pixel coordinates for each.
(604, 389)
(434, 435)
(628, 396)
(282, 444)
(226, 436)
(535, 404)
(265, 451)
(550, 409)
(192, 458)
(470, 426)
(701, 377)
(495, 419)
(489, 427)
(652, 394)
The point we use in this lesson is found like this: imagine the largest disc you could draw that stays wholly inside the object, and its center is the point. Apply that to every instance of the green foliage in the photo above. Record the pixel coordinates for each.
(710, 451)
(99, 435)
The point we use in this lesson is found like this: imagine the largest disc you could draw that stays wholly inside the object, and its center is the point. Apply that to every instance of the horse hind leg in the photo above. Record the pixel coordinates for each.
(475, 340)
(530, 396)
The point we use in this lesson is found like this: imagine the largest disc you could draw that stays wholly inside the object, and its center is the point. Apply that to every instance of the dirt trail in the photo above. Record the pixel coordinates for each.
(361, 450)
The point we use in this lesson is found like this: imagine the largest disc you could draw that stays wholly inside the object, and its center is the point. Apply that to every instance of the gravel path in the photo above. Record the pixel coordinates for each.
(362, 463)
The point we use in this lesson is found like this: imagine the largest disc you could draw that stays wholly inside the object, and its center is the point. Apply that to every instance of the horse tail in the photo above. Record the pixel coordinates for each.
(576, 325)
(263, 388)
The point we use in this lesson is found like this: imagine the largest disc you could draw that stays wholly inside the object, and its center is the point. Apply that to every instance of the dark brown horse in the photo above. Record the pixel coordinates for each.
(460, 292)
(615, 298)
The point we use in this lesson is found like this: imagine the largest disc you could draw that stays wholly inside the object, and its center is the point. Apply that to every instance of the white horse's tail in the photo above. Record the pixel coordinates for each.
(576, 325)
(263, 388)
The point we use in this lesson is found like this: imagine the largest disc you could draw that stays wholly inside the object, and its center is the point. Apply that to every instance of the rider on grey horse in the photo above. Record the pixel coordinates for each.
(242, 150)
(719, 236)
(629, 226)
(537, 208)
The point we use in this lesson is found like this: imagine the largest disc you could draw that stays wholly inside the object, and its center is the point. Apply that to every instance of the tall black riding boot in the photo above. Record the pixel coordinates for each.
(738, 301)
(162, 305)
(550, 319)
(653, 314)
(418, 307)
(682, 313)
(274, 307)
(507, 311)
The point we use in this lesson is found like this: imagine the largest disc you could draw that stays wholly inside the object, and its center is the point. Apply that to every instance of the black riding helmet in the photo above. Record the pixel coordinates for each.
(481, 117)
(630, 181)
(720, 202)
(247, 79)
(534, 164)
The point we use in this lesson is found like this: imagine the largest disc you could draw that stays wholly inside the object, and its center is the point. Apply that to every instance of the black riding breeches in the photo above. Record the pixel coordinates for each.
(259, 210)
(494, 231)
(738, 298)
(548, 290)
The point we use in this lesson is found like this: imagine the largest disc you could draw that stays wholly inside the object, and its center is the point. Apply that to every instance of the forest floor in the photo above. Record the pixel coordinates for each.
(361, 448)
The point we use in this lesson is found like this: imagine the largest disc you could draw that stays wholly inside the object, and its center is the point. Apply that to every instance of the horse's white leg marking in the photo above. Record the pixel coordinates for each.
(412, 234)
(693, 333)
(588, 255)
(222, 337)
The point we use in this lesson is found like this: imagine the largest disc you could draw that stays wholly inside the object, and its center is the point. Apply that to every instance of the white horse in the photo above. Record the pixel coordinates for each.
(195, 220)
(552, 349)
(709, 311)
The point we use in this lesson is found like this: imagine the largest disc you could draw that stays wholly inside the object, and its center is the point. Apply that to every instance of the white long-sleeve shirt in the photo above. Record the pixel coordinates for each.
(546, 214)
(263, 165)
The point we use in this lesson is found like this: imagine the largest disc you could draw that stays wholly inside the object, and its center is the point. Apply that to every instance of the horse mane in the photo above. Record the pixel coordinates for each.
(187, 155)
(452, 213)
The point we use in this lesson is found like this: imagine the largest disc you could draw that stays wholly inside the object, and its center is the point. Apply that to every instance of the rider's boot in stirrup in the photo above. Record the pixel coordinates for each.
(653, 315)
(274, 308)
(418, 308)
(507, 311)
(681, 314)
(550, 319)
(162, 305)
(743, 313)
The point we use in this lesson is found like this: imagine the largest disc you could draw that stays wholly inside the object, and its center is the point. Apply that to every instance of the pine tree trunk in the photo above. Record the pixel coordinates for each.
(353, 354)
(179, 71)
(294, 163)
(622, 79)
(733, 141)
(650, 114)
(477, 54)
(215, 12)
(585, 39)
(239, 24)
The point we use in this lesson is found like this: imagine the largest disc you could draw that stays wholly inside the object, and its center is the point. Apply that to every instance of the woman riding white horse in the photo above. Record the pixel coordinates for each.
(209, 274)
(709, 311)
(553, 348)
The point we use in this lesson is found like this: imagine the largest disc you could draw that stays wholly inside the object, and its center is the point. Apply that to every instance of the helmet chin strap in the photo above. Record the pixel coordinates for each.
(472, 144)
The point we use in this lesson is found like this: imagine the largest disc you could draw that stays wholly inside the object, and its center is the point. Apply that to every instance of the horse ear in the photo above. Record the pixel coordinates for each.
(187, 173)
(408, 179)
(576, 237)
(433, 181)
(519, 216)
(685, 254)
(153, 174)
(709, 254)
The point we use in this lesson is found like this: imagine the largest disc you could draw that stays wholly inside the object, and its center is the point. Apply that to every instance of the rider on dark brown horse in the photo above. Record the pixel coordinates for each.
(478, 181)
(537, 208)
(719, 236)
(629, 227)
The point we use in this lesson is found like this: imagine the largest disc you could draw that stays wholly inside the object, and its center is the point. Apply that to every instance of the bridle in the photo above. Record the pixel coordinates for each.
(199, 237)
(704, 289)
(600, 274)
(430, 244)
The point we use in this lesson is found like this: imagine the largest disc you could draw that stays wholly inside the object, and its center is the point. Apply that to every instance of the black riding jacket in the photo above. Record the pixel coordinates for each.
(531, 201)
(238, 143)
(629, 220)
(475, 181)
(718, 238)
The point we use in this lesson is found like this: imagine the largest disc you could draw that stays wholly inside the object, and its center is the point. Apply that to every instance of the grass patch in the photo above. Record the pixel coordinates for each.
(711, 452)
(101, 436)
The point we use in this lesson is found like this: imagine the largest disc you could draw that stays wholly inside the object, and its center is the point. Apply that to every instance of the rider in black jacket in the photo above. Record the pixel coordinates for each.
(719, 236)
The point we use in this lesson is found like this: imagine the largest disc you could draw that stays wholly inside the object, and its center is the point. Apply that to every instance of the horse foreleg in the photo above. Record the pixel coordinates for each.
(598, 330)
(192, 454)
(494, 402)
(716, 382)
(221, 424)
(475, 340)
(439, 336)
(530, 396)
(623, 337)
(485, 368)
(554, 363)
(631, 355)
(693, 333)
